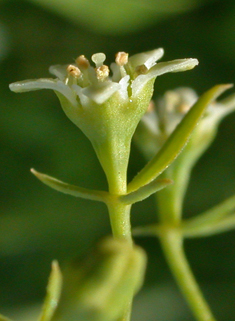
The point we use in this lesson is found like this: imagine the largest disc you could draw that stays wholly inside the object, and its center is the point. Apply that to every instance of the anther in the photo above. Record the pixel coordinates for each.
(74, 71)
(102, 72)
(183, 108)
(151, 107)
(121, 58)
(82, 62)
(98, 59)
(141, 70)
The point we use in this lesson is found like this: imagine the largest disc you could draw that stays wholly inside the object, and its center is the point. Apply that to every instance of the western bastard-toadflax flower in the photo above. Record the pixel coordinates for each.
(160, 123)
(107, 106)
(162, 118)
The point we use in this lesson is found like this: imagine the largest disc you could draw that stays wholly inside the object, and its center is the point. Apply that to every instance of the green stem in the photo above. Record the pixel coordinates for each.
(113, 155)
(168, 202)
(172, 245)
(119, 214)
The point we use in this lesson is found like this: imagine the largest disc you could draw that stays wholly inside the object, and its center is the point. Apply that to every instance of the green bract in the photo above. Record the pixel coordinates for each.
(108, 108)
(101, 287)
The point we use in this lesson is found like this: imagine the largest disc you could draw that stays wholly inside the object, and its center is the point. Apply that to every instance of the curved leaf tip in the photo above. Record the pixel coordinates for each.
(177, 140)
(53, 293)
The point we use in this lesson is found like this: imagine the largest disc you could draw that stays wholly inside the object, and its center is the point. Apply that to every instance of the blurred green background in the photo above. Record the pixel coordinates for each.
(38, 224)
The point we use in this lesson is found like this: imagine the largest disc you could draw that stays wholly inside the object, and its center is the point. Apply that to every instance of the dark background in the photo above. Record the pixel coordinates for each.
(38, 224)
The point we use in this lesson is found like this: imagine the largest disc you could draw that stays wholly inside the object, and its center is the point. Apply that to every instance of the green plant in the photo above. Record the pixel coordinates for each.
(108, 111)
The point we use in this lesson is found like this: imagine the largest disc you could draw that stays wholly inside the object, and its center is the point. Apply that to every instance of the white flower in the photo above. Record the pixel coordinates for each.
(160, 121)
(108, 108)
(169, 111)
(79, 83)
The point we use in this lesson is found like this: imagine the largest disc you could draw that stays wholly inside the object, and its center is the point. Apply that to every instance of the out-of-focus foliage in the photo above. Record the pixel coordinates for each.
(37, 224)
(99, 288)
(117, 17)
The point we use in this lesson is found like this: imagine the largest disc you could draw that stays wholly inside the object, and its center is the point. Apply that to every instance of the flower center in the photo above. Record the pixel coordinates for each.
(83, 74)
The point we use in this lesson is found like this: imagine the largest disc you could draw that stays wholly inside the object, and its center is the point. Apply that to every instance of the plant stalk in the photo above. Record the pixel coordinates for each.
(119, 214)
(172, 244)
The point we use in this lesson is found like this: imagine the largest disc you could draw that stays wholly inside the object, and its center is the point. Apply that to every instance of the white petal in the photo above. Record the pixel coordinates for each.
(124, 82)
(187, 95)
(60, 71)
(220, 109)
(44, 83)
(148, 58)
(162, 68)
(151, 121)
(99, 94)
(84, 100)
(138, 84)
(173, 66)
(228, 103)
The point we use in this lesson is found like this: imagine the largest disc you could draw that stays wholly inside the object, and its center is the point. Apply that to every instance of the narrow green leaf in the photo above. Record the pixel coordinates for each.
(177, 140)
(212, 215)
(3, 318)
(53, 293)
(71, 189)
(147, 230)
(145, 191)
(224, 225)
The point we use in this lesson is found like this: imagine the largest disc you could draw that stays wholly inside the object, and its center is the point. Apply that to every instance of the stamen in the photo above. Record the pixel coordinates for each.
(121, 58)
(74, 71)
(82, 62)
(102, 72)
(98, 59)
(183, 108)
(173, 101)
(151, 107)
(141, 70)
